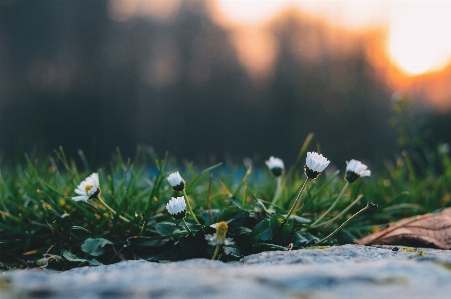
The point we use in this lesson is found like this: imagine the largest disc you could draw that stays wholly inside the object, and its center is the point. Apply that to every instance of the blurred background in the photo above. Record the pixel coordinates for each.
(212, 80)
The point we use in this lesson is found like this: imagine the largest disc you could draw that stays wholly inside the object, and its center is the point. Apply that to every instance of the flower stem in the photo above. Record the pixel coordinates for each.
(331, 207)
(278, 192)
(340, 214)
(110, 209)
(186, 226)
(189, 207)
(297, 200)
(216, 252)
(344, 223)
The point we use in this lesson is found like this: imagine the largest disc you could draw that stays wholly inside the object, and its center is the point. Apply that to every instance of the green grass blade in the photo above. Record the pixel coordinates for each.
(300, 159)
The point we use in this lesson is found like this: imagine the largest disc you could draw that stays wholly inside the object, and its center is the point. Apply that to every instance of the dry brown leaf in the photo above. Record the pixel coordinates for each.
(430, 230)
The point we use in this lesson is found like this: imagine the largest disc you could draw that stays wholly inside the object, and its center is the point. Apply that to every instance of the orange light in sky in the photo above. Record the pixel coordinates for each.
(419, 32)
(419, 38)
(412, 52)
(250, 11)
(122, 10)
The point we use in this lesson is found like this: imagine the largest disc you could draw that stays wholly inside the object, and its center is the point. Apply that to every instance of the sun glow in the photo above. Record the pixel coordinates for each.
(419, 39)
(418, 32)
(407, 42)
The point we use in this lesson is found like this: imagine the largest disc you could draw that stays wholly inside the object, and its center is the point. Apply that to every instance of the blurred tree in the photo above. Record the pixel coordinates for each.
(79, 78)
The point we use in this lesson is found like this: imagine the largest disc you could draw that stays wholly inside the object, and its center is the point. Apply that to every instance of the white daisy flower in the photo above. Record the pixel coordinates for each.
(219, 238)
(356, 169)
(177, 207)
(176, 181)
(315, 164)
(88, 189)
(275, 165)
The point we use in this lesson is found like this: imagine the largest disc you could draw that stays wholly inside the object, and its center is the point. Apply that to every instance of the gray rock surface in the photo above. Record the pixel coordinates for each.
(349, 271)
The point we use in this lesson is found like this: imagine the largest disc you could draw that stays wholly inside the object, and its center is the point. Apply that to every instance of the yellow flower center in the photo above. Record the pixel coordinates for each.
(88, 187)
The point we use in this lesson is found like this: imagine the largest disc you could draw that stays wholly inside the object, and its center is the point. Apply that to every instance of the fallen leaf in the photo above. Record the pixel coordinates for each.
(429, 230)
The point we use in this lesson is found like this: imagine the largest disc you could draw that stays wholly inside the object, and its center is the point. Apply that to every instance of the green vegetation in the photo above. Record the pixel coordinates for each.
(42, 226)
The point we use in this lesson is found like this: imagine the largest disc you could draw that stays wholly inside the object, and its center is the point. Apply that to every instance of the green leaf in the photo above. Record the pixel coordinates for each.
(300, 220)
(69, 256)
(280, 229)
(234, 201)
(94, 247)
(193, 246)
(95, 262)
(154, 243)
(261, 231)
(303, 239)
(166, 228)
(234, 216)
(44, 262)
(241, 231)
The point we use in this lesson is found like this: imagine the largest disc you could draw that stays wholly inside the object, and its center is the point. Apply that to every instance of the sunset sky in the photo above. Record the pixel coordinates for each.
(418, 36)
(412, 53)
(418, 32)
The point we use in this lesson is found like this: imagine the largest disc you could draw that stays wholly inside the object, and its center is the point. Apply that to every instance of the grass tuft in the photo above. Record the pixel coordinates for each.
(41, 226)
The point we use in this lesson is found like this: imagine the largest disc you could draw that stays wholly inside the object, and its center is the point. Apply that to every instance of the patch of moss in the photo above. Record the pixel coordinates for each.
(410, 249)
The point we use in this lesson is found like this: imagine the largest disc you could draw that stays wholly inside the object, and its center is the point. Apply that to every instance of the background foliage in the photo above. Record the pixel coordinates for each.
(179, 85)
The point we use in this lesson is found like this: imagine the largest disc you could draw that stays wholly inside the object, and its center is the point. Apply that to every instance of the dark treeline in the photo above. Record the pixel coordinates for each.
(72, 76)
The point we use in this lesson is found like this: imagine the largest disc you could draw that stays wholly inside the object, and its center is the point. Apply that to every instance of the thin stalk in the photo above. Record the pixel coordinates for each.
(189, 207)
(110, 209)
(341, 213)
(278, 192)
(186, 226)
(296, 201)
(216, 252)
(344, 223)
(321, 189)
(332, 206)
(212, 220)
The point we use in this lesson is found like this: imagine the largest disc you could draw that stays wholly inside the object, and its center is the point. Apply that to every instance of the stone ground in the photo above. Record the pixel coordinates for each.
(348, 271)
